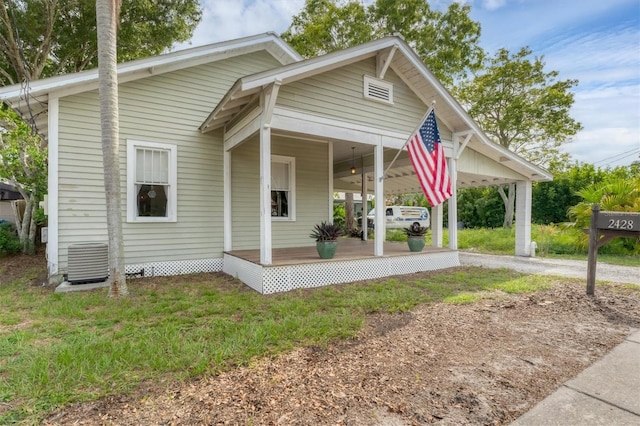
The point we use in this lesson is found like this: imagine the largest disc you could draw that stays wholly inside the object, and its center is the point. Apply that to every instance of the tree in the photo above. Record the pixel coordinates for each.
(42, 38)
(107, 13)
(523, 108)
(446, 41)
(23, 160)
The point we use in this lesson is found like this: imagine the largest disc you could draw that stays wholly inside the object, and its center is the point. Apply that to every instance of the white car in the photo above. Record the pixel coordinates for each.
(398, 217)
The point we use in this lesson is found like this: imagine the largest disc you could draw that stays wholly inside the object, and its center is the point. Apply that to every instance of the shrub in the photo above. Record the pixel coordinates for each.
(9, 241)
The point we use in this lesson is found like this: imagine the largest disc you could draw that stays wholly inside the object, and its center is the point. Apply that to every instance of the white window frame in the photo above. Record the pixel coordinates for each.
(291, 161)
(172, 193)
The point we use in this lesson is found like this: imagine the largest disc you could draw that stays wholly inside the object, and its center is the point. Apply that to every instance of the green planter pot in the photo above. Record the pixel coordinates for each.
(416, 243)
(326, 249)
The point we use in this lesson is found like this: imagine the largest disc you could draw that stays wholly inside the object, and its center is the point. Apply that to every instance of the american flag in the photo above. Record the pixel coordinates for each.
(427, 157)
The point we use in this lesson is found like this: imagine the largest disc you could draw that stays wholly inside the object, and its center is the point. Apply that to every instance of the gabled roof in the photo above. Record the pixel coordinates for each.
(391, 52)
(128, 71)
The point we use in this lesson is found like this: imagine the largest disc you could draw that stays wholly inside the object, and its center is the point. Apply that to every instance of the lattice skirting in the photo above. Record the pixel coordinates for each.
(274, 279)
(176, 267)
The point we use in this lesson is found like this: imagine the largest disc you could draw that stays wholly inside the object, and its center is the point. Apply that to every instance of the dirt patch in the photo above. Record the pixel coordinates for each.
(482, 363)
(22, 267)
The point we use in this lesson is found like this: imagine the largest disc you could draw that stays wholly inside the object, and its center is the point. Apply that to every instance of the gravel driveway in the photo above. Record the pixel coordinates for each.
(560, 267)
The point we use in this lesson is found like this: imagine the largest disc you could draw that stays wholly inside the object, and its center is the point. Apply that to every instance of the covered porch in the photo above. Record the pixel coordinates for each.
(300, 267)
(318, 118)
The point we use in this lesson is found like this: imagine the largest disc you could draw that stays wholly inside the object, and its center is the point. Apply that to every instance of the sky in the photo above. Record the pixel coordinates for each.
(596, 42)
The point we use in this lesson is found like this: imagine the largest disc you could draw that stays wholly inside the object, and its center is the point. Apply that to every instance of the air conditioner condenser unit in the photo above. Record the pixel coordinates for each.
(88, 263)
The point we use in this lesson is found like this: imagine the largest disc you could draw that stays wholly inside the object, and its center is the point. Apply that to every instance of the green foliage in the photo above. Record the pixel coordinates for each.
(23, 154)
(521, 106)
(74, 347)
(326, 231)
(60, 37)
(446, 41)
(615, 194)
(9, 241)
(339, 214)
(480, 207)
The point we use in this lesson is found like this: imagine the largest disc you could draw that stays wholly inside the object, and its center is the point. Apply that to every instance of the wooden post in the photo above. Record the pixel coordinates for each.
(593, 251)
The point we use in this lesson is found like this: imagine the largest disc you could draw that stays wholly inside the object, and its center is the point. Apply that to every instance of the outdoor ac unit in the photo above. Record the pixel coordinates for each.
(88, 263)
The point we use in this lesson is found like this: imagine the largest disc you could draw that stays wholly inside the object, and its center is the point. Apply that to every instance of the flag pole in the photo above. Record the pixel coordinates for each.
(431, 108)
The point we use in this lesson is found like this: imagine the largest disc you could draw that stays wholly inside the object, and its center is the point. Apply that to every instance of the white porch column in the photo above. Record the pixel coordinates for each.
(330, 161)
(523, 218)
(365, 206)
(436, 225)
(268, 103)
(226, 215)
(453, 201)
(378, 161)
(265, 195)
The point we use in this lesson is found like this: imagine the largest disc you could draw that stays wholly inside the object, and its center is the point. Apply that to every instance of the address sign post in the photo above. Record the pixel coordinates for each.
(605, 226)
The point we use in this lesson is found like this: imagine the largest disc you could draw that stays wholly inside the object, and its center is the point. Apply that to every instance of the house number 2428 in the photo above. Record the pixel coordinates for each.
(620, 224)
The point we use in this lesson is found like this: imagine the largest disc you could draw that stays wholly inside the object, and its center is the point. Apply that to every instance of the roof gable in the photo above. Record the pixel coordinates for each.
(141, 68)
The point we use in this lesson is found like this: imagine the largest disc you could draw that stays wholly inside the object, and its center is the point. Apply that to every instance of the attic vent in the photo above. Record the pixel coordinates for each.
(88, 263)
(378, 90)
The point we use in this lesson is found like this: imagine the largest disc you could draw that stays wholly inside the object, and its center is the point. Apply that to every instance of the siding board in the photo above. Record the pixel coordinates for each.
(164, 108)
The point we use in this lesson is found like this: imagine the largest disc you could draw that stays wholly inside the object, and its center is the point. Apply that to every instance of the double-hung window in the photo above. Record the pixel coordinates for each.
(151, 182)
(283, 194)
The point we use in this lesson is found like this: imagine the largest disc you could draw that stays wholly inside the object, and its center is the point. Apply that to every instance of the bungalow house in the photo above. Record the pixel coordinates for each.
(231, 152)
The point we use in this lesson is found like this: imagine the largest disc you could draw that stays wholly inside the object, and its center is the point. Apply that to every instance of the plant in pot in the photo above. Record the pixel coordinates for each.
(415, 236)
(326, 235)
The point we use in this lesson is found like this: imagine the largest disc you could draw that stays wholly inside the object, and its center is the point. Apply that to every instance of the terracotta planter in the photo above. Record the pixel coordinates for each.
(416, 243)
(326, 249)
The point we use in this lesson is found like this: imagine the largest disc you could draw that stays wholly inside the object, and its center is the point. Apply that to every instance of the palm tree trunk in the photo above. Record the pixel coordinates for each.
(107, 13)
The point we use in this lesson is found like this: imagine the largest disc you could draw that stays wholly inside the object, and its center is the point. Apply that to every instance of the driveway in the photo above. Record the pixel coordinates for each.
(560, 267)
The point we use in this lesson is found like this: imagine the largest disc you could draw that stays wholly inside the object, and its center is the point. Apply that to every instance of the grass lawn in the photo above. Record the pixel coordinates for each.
(56, 349)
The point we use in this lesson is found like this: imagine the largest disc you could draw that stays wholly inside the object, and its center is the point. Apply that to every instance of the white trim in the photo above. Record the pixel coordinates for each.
(523, 218)
(326, 128)
(299, 70)
(437, 216)
(330, 174)
(291, 162)
(242, 134)
(379, 224)
(453, 203)
(227, 200)
(52, 186)
(172, 196)
(265, 195)
(87, 80)
(383, 60)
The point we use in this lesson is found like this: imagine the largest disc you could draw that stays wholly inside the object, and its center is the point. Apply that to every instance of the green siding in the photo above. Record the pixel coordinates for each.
(312, 193)
(339, 94)
(166, 108)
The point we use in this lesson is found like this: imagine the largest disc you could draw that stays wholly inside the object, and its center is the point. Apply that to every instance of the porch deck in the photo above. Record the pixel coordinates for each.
(300, 267)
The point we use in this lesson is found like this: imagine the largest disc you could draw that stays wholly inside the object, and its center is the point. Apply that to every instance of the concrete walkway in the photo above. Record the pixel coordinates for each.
(608, 392)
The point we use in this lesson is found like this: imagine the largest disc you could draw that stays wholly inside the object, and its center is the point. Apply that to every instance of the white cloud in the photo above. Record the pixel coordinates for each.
(229, 19)
(493, 4)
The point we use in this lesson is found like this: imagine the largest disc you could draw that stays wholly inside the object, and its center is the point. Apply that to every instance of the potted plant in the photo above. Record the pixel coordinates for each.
(415, 236)
(326, 235)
